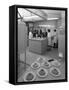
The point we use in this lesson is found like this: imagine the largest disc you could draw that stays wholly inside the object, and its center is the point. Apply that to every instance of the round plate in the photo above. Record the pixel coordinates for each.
(35, 65)
(55, 71)
(29, 76)
(42, 72)
(56, 63)
(46, 64)
(40, 60)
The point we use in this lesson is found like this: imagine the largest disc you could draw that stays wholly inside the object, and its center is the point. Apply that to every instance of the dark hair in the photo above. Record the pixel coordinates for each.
(54, 30)
(48, 30)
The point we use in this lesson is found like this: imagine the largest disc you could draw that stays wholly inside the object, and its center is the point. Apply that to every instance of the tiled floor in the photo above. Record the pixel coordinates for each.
(31, 57)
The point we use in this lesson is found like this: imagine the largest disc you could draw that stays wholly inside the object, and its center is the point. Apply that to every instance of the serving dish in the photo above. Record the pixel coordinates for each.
(29, 76)
(55, 72)
(35, 65)
(42, 72)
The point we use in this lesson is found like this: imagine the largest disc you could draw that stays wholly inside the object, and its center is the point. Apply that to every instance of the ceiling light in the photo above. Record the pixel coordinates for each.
(52, 18)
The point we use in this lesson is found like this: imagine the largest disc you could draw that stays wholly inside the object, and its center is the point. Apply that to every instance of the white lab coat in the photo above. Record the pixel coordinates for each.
(49, 38)
(55, 38)
(30, 35)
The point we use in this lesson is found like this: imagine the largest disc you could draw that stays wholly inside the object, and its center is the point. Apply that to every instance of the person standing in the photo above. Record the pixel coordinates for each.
(55, 38)
(49, 37)
(30, 35)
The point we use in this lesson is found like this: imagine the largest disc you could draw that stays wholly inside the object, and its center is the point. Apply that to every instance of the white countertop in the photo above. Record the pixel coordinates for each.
(38, 39)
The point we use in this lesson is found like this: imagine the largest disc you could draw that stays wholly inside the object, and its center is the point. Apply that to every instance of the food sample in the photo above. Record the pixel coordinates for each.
(55, 71)
(46, 64)
(42, 72)
(29, 76)
(35, 65)
(56, 63)
(41, 60)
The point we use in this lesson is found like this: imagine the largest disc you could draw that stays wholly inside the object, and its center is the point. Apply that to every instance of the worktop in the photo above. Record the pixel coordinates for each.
(38, 45)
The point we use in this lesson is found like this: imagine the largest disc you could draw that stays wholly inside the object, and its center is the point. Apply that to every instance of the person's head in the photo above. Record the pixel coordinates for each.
(48, 30)
(54, 30)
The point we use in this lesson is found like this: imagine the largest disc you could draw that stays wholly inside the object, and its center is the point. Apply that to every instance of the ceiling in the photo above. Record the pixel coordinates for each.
(38, 14)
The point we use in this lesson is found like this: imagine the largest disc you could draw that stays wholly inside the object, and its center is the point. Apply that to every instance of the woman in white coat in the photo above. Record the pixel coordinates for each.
(49, 37)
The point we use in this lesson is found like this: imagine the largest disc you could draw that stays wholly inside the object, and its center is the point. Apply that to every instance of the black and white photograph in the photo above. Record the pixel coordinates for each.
(41, 44)
(34, 44)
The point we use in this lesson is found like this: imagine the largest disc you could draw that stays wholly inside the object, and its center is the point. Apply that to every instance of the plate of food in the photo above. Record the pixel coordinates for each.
(40, 60)
(42, 72)
(29, 76)
(35, 65)
(46, 64)
(56, 63)
(55, 71)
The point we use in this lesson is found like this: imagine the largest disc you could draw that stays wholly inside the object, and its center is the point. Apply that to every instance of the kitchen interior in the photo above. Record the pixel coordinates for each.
(41, 39)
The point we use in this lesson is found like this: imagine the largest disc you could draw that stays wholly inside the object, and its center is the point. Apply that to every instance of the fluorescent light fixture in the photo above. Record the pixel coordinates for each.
(52, 18)
(46, 25)
(36, 18)
(32, 18)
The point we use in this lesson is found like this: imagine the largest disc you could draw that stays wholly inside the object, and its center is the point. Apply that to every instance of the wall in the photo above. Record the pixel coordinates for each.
(22, 37)
(61, 34)
(50, 22)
